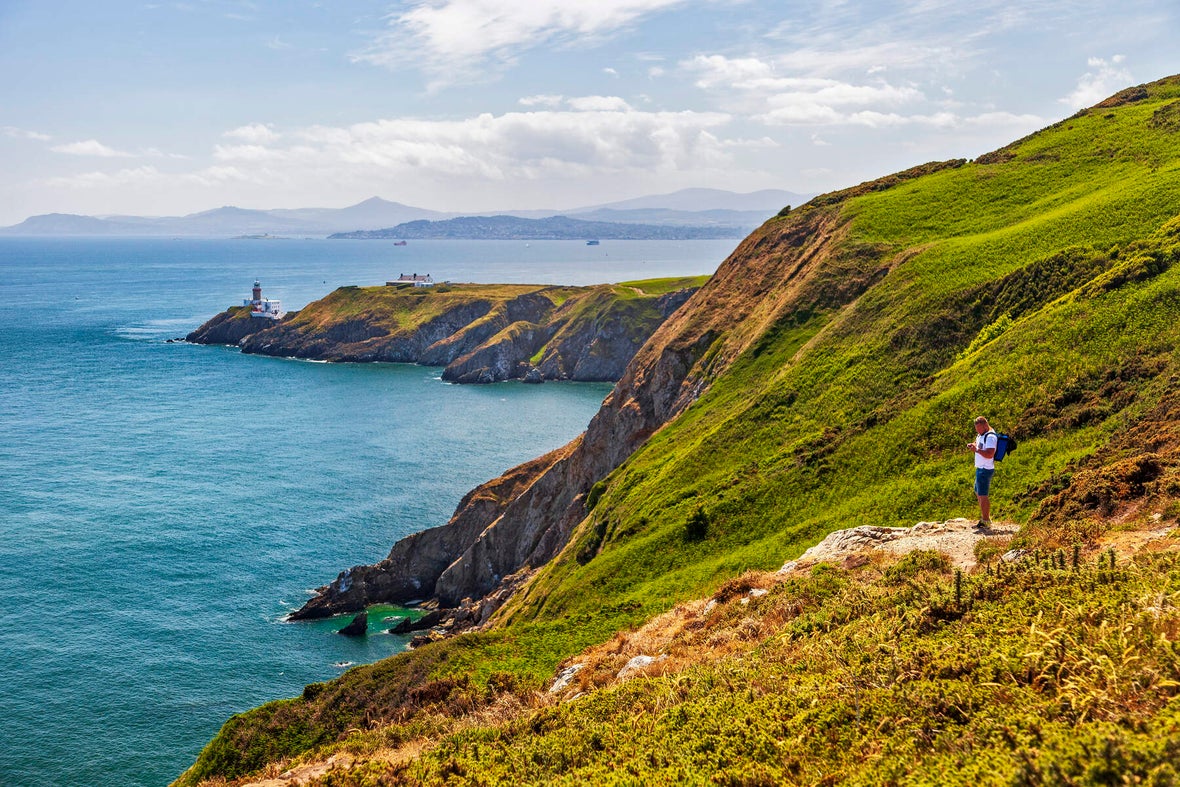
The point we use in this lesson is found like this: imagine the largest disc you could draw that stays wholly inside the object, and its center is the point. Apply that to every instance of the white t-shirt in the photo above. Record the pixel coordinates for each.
(984, 442)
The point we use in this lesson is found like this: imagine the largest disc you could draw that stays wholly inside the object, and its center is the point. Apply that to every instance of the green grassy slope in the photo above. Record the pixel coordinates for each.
(1037, 286)
(1042, 675)
(1024, 284)
(402, 308)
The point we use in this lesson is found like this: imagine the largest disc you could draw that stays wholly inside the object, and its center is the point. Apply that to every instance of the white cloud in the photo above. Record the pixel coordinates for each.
(91, 147)
(252, 133)
(773, 92)
(610, 72)
(20, 133)
(600, 134)
(1104, 79)
(544, 100)
(451, 36)
(123, 177)
(215, 176)
(143, 176)
(598, 104)
(157, 153)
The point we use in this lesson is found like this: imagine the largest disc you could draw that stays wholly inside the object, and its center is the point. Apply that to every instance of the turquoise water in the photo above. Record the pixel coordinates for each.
(162, 506)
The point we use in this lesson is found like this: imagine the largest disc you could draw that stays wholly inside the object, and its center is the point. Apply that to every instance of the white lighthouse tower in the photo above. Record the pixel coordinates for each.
(264, 308)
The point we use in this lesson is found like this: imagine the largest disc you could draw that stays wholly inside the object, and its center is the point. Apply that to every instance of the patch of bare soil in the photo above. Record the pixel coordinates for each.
(306, 774)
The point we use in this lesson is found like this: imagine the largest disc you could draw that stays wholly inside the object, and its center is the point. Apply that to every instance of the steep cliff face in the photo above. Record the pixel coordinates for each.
(597, 336)
(774, 270)
(500, 357)
(413, 566)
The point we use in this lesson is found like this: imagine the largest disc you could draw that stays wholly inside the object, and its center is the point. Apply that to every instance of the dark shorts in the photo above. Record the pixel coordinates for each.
(983, 480)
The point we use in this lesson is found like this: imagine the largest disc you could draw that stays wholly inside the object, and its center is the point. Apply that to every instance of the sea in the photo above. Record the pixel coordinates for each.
(163, 505)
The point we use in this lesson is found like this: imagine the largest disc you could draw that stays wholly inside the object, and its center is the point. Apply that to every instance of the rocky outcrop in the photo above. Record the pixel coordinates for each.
(596, 344)
(500, 357)
(358, 627)
(955, 538)
(411, 570)
(362, 339)
(530, 308)
(481, 334)
(230, 327)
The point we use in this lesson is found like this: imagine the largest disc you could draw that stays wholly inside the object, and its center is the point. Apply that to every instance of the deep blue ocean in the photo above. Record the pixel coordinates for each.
(162, 506)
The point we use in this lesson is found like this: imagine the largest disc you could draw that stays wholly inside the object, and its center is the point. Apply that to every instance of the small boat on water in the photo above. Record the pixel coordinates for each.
(591, 243)
(399, 243)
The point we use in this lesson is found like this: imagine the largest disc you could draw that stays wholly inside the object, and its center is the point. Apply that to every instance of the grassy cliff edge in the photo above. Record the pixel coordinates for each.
(825, 378)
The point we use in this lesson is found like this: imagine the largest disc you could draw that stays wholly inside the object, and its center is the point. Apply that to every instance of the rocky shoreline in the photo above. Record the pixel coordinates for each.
(478, 334)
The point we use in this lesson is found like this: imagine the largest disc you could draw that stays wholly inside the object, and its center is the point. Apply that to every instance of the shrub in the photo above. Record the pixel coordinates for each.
(595, 493)
(590, 549)
(915, 563)
(697, 526)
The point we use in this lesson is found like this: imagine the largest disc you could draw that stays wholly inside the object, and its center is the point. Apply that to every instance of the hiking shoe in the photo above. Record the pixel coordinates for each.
(983, 524)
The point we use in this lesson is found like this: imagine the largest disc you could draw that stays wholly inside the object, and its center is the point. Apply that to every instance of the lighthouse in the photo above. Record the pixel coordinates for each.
(264, 308)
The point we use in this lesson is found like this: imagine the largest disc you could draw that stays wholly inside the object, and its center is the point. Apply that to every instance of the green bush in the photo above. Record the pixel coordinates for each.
(696, 527)
(917, 562)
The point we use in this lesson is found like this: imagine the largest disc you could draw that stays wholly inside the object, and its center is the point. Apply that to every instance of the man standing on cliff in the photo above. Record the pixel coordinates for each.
(984, 448)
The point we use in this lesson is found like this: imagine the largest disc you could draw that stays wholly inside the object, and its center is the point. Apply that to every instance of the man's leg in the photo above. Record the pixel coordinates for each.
(983, 479)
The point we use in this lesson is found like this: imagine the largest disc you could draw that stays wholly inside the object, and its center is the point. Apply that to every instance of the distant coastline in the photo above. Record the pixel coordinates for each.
(550, 228)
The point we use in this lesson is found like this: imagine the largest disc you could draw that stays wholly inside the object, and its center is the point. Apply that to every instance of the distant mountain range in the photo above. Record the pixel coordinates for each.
(711, 209)
(549, 228)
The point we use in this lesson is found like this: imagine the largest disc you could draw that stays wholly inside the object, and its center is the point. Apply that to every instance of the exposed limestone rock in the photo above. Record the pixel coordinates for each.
(530, 308)
(565, 677)
(637, 664)
(956, 538)
(427, 621)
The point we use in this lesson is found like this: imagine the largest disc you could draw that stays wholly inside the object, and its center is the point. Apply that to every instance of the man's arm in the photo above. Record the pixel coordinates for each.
(986, 453)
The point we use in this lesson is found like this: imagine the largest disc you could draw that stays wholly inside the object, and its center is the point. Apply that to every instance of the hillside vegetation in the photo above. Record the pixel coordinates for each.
(826, 377)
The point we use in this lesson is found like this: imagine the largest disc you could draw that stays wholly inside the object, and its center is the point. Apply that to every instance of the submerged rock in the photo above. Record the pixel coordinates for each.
(408, 625)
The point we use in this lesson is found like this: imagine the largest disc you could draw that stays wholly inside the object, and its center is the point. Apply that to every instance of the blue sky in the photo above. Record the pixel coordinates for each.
(165, 108)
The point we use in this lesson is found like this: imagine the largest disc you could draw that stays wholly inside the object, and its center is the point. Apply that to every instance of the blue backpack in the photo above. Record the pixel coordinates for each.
(1005, 444)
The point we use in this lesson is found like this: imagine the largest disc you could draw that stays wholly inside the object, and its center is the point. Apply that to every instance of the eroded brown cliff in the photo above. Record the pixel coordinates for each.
(775, 274)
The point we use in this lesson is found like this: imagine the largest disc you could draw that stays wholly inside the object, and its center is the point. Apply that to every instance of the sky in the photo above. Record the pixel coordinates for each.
(167, 108)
